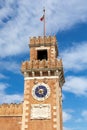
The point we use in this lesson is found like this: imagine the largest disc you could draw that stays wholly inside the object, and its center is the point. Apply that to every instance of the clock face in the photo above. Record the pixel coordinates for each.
(41, 91)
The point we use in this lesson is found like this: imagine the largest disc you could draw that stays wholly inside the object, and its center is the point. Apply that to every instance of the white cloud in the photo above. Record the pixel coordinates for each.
(20, 19)
(5, 98)
(10, 66)
(83, 117)
(84, 114)
(66, 128)
(14, 98)
(66, 116)
(79, 120)
(3, 76)
(69, 110)
(75, 58)
(76, 85)
(3, 86)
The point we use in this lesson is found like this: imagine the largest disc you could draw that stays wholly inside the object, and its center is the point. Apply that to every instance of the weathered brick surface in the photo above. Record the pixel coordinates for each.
(10, 123)
(10, 116)
(43, 43)
(11, 109)
(36, 64)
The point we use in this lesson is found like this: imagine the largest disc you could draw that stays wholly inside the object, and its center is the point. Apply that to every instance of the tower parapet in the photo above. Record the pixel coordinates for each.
(42, 40)
(43, 58)
(33, 68)
(11, 109)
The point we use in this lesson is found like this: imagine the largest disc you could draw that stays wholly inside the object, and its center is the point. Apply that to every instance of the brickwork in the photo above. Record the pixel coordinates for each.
(49, 72)
(11, 116)
(28, 98)
(37, 64)
(11, 109)
(42, 40)
(10, 123)
(43, 43)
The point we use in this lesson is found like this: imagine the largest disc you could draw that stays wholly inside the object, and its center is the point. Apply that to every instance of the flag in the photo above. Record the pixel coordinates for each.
(42, 18)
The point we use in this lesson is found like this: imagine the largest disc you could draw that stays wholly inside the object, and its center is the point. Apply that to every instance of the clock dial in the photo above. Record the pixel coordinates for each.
(41, 91)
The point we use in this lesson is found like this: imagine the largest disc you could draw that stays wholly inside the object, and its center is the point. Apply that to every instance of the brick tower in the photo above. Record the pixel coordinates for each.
(43, 80)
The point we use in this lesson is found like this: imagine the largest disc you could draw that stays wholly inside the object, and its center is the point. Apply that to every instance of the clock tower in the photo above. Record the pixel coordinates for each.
(43, 81)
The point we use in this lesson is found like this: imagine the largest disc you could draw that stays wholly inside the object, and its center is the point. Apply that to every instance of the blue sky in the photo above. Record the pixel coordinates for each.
(19, 20)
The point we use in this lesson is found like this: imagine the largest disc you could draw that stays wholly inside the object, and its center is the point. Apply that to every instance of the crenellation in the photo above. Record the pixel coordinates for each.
(27, 64)
(37, 41)
(37, 64)
(42, 40)
(32, 40)
(10, 109)
(41, 64)
(30, 64)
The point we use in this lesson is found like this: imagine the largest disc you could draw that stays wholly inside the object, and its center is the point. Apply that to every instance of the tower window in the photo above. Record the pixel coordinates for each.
(42, 54)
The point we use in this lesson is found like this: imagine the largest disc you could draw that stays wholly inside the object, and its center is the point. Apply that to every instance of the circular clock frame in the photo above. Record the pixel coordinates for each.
(40, 91)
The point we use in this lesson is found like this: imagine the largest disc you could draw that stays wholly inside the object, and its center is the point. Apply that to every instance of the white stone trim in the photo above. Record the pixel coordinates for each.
(54, 126)
(26, 108)
(54, 107)
(27, 102)
(58, 108)
(26, 126)
(42, 77)
(26, 114)
(54, 119)
(54, 113)
(42, 48)
(26, 120)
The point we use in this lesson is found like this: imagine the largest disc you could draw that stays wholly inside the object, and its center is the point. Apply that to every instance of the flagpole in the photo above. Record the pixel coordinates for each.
(44, 23)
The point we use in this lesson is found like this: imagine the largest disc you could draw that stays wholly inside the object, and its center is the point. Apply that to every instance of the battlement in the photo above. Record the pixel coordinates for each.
(42, 40)
(44, 64)
(44, 67)
(11, 109)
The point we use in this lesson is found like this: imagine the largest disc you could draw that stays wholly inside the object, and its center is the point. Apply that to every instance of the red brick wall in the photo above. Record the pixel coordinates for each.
(10, 123)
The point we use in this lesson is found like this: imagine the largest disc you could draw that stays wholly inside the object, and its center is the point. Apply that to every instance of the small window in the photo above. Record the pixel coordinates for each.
(42, 54)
